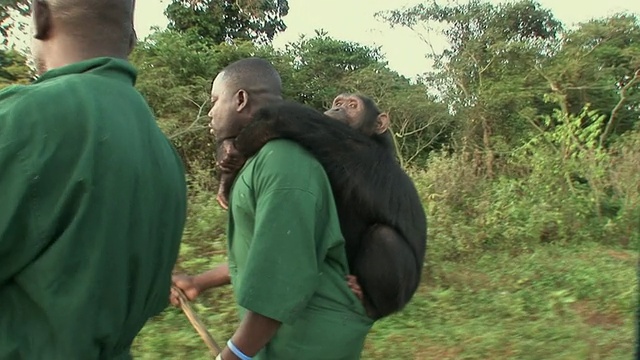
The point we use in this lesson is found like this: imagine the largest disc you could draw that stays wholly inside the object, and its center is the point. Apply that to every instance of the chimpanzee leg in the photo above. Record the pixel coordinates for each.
(386, 269)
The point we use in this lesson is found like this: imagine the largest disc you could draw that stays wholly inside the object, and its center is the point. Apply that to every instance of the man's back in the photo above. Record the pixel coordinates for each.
(287, 257)
(91, 214)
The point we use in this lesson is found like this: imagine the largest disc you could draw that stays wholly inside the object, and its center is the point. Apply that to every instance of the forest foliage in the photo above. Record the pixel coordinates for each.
(524, 130)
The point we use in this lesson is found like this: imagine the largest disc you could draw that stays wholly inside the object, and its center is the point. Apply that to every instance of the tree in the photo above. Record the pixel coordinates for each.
(485, 75)
(321, 64)
(13, 68)
(175, 74)
(9, 8)
(598, 64)
(217, 21)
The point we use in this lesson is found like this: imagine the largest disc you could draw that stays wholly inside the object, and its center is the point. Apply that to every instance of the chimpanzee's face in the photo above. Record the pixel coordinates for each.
(349, 109)
(360, 113)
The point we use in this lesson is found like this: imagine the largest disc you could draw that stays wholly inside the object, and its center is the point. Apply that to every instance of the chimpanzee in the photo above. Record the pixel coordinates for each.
(381, 215)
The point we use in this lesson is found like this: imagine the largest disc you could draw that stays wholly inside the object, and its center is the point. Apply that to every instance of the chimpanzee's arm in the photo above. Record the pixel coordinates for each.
(229, 162)
(319, 134)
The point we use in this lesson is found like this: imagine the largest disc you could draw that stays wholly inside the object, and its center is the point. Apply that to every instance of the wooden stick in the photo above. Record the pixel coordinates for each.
(197, 324)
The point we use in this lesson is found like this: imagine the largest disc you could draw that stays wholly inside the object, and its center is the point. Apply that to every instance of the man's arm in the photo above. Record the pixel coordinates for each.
(216, 277)
(192, 286)
(254, 332)
(282, 269)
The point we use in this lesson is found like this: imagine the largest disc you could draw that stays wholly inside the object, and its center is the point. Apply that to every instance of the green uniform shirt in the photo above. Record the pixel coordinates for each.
(92, 208)
(287, 257)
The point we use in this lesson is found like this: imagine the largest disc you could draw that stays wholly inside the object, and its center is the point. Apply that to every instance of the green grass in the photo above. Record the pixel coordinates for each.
(555, 303)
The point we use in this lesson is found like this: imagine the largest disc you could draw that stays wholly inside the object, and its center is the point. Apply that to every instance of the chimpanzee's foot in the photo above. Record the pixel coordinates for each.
(352, 281)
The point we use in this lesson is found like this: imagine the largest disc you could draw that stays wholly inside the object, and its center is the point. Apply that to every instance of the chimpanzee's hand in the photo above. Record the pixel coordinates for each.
(352, 281)
(222, 198)
(229, 159)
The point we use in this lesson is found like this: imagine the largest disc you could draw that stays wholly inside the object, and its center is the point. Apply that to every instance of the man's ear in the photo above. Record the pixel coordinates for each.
(41, 12)
(382, 123)
(133, 41)
(242, 100)
(133, 37)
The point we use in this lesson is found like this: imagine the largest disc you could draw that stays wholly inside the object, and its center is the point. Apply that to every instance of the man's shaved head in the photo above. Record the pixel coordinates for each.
(106, 12)
(238, 91)
(254, 75)
(83, 28)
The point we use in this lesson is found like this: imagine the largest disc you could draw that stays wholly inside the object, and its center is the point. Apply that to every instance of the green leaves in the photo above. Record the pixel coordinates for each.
(13, 68)
(9, 9)
(215, 21)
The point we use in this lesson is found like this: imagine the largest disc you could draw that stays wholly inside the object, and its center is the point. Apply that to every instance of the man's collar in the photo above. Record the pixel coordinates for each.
(106, 66)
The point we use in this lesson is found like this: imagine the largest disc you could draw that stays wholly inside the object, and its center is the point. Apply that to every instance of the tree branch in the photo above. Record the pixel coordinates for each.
(192, 127)
(612, 118)
(421, 148)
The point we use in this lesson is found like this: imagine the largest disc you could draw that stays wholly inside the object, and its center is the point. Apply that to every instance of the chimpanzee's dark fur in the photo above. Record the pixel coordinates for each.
(381, 215)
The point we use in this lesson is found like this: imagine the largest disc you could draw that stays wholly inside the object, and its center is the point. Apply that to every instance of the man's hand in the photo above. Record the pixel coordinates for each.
(192, 286)
(187, 285)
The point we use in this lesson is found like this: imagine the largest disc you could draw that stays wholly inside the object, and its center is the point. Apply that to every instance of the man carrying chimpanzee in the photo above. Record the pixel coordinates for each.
(287, 259)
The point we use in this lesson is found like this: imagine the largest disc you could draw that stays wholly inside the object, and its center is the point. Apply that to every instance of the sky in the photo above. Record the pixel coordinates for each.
(403, 49)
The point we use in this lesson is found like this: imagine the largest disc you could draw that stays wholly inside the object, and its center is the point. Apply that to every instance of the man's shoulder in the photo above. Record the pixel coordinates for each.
(59, 103)
(13, 95)
(50, 92)
(18, 100)
(282, 145)
(285, 155)
(285, 162)
(17, 104)
(32, 112)
(284, 148)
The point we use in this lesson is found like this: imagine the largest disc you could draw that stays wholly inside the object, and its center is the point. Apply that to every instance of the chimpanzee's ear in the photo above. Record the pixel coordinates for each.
(382, 123)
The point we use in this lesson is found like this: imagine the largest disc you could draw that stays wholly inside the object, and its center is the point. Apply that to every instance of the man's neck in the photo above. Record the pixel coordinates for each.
(63, 54)
(265, 100)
